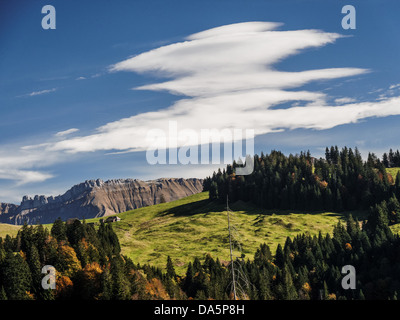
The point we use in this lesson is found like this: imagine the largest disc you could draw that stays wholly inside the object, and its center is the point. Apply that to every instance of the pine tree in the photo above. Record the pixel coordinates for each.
(59, 230)
(16, 277)
(279, 256)
(120, 284)
(36, 274)
(289, 290)
(188, 283)
(385, 160)
(170, 269)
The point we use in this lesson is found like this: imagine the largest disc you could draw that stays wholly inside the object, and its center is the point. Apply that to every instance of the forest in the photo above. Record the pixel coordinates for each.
(340, 182)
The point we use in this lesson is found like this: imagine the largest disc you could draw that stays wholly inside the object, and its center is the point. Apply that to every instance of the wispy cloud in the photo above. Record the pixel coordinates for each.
(228, 77)
(344, 100)
(66, 132)
(24, 176)
(37, 93)
(25, 165)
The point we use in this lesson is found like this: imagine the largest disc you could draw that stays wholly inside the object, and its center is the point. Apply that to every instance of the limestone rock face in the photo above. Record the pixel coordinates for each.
(97, 198)
(7, 210)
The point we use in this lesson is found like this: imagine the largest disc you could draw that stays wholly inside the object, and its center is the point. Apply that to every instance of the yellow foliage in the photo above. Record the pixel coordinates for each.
(22, 254)
(64, 287)
(92, 270)
(71, 262)
(306, 287)
(50, 239)
(332, 296)
(84, 243)
(155, 288)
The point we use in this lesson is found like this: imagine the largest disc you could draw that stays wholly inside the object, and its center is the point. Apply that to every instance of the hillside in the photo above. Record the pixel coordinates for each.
(195, 226)
(9, 229)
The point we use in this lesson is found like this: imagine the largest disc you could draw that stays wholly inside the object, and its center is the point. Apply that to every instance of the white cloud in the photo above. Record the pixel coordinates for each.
(345, 100)
(24, 176)
(66, 132)
(81, 78)
(37, 93)
(227, 75)
(394, 86)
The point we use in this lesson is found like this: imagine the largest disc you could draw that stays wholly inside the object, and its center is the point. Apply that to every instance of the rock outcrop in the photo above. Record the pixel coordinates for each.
(97, 198)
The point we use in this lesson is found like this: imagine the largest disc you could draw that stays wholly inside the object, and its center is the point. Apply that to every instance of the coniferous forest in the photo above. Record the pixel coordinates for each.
(341, 181)
(90, 265)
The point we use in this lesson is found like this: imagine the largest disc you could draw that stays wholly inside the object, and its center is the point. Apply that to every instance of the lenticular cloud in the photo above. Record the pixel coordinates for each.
(232, 58)
(228, 80)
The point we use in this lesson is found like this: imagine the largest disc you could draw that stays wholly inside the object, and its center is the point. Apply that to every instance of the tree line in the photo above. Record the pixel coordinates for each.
(340, 181)
(391, 159)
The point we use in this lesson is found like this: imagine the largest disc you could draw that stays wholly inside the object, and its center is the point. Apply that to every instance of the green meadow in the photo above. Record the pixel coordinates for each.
(195, 226)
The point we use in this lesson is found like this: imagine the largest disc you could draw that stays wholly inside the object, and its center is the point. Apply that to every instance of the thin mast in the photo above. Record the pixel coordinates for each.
(230, 248)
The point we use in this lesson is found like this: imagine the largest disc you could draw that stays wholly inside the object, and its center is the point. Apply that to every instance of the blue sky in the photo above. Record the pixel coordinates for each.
(58, 87)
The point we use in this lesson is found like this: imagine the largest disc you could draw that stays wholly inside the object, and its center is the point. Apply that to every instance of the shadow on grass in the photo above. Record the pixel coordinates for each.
(206, 206)
(197, 207)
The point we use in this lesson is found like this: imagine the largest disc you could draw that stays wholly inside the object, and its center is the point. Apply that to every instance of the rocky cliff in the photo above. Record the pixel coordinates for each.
(96, 198)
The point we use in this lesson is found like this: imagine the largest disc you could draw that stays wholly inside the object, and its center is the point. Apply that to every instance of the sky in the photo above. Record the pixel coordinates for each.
(78, 102)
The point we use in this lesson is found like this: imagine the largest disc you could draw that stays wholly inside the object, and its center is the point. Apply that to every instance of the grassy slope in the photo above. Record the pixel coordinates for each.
(194, 226)
(10, 229)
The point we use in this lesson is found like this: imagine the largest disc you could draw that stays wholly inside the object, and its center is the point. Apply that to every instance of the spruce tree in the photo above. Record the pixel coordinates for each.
(170, 269)
(59, 230)
(16, 277)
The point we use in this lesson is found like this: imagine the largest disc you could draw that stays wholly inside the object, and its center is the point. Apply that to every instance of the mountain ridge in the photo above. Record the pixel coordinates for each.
(96, 198)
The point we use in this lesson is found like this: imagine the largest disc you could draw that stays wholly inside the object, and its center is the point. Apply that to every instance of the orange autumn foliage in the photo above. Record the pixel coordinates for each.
(64, 287)
(70, 262)
(332, 296)
(30, 295)
(323, 184)
(22, 254)
(156, 290)
(92, 270)
(306, 287)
